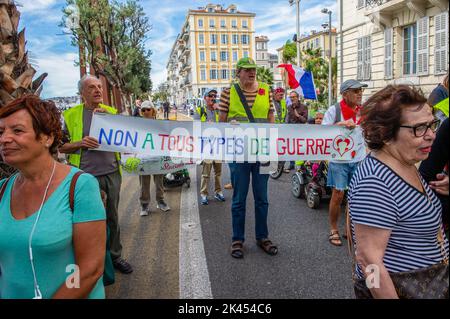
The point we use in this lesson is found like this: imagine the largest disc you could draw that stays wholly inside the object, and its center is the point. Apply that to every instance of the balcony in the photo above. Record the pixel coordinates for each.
(380, 11)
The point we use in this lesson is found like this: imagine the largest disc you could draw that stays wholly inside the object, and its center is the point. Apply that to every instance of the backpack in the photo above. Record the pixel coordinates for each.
(108, 272)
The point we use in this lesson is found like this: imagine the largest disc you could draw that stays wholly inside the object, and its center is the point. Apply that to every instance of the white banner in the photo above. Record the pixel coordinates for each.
(224, 141)
(139, 164)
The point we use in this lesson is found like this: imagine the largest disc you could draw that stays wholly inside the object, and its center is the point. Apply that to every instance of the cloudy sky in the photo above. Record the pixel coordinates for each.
(52, 52)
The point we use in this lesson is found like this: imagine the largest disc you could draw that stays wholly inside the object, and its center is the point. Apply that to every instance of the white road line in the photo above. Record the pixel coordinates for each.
(194, 275)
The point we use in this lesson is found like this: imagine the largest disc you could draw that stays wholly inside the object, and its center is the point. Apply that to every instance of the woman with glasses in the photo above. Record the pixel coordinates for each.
(395, 217)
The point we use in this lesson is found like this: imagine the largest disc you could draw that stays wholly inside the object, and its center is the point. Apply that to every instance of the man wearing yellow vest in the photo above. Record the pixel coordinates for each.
(438, 100)
(280, 106)
(259, 100)
(103, 165)
(211, 115)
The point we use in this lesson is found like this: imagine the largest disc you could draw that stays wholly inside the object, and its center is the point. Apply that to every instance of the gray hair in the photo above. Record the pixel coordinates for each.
(84, 79)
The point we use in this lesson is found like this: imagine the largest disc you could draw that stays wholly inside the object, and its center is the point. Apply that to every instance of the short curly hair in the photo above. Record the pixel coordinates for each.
(381, 114)
(45, 116)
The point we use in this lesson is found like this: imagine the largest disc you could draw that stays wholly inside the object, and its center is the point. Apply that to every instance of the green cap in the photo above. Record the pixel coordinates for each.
(246, 63)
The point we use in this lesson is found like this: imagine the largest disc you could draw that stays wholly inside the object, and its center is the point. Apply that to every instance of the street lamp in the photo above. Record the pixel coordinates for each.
(326, 11)
(291, 2)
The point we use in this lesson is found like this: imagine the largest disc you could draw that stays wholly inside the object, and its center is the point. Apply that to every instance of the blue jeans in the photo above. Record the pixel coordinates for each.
(240, 179)
(340, 175)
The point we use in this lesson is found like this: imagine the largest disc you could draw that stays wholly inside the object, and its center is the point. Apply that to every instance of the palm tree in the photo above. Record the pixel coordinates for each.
(16, 73)
(264, 75)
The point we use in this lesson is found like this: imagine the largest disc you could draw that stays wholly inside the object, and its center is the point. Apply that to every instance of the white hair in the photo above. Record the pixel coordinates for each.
(84, 79)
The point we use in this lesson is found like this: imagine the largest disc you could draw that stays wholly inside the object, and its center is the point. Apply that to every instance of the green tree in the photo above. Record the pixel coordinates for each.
(264, 75)
(162, 94)
(289, 52)
(113, 35)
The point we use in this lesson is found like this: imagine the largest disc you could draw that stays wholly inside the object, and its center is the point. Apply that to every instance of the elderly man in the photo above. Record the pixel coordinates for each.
(280, 106)
(232, 108)
(210, 114)
(103, 165)
(344, 113)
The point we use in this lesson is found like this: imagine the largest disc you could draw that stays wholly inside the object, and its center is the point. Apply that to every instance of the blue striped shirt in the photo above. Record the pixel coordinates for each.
(380, 198)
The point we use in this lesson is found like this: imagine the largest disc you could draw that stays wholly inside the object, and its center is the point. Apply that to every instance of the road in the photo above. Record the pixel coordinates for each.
(184, 253)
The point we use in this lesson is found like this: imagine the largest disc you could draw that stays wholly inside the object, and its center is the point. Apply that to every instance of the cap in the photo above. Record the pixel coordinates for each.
(246, 63)
(147, 105)
(351, 84)
(209, 90)
(279, 90)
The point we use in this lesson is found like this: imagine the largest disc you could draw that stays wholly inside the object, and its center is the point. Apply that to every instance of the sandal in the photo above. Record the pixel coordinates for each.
(268, 247)
(334, 238)
(236, 249)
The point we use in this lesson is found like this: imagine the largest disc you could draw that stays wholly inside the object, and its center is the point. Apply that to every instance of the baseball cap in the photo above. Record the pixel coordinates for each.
(147, 105)
(246, 63)
(209, 90)
(279, 90)
(351, 84)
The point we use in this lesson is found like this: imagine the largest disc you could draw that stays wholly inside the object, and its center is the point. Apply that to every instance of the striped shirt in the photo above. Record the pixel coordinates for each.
(224, 104)
(380, 198)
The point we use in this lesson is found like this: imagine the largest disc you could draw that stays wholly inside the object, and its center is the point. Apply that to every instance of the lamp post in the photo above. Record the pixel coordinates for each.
(291, 2)
(330, 90)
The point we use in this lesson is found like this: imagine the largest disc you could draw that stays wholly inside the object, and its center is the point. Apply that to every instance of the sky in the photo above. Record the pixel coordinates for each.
(51, 50)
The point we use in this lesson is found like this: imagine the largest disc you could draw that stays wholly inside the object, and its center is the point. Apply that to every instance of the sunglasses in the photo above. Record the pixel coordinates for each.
(146, 110)
(212, 95)
(421, 129)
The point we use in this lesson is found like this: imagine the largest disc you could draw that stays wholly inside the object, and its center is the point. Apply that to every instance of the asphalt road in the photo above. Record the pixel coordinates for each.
(307, 265)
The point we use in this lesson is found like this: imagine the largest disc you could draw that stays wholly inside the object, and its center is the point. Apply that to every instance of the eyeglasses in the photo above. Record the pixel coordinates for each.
(145, 110)
(357, 91)
(421, 129)
(212, 95)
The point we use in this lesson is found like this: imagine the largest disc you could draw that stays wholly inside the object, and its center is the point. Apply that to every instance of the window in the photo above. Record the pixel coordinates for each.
(213, 74)
(202, 56)
(200, 23)
(201, 38)
(317, 43)
(422, 46)
(410, 50)
(223, 56)
(245, 54)
(212, 23)
(364, 53)
(223, 24)
(210, 9)
(203, 75)
(233, 74)
(224, 74)
(388, 52)
(224, 38)
(213, 40)
(234, 24)
(441, 43)
(245, 24)
(213, 56)
(235, 56)
(235, 39)
(244, 39)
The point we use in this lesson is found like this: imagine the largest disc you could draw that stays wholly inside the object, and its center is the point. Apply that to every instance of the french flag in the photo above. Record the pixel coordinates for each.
(301, 81)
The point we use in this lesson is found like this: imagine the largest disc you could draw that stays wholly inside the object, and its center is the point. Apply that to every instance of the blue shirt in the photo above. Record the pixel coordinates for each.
(52, 240)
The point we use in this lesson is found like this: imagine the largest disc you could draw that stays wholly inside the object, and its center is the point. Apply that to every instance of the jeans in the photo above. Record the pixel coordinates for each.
(240, 179)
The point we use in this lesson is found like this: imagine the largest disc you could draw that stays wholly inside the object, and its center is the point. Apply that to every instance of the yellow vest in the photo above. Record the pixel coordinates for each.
(74, 123)
(283, 112)
(260, 108)
(442, 106)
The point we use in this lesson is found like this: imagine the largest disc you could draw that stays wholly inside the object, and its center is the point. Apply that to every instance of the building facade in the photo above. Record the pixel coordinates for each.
(393, 42)
(321, 39)
(267, 60)
(206, 51)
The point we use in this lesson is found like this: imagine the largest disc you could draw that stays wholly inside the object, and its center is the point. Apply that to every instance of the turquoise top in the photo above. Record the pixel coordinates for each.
(52, 240)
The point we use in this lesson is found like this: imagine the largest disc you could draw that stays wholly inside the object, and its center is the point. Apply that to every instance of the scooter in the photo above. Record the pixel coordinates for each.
(317, 187)
(300, 180)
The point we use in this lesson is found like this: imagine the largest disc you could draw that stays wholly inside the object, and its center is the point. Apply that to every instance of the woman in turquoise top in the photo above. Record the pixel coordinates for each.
(67, 252)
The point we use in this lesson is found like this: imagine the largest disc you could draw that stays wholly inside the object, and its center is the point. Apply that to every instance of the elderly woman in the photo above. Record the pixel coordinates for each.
(395, 217)
(47, 250)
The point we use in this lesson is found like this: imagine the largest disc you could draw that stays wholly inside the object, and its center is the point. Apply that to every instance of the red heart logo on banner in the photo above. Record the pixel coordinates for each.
(342, 144)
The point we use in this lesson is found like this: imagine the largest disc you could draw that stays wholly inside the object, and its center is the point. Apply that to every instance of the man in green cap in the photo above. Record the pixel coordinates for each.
(231, 107)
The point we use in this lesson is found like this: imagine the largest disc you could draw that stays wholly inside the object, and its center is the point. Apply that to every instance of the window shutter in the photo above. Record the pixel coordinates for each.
(422, 46)
(440, 46)
(388, 40)
(366, 58)
(359, 74)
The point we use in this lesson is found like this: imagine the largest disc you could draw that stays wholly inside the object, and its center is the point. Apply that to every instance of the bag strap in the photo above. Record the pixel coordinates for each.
(2, 190)
(250, 116)
(338, 117)
(73, 183)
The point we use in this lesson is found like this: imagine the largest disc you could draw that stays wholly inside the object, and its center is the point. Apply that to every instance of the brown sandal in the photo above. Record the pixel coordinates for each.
(236, 249)
(268, 247)
(334, 238)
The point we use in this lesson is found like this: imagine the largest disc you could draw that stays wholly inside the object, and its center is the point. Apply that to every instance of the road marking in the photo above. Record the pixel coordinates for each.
(194, 275)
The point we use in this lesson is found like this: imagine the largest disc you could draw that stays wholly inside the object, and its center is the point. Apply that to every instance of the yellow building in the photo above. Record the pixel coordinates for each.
(206, 51)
